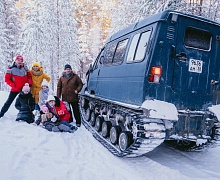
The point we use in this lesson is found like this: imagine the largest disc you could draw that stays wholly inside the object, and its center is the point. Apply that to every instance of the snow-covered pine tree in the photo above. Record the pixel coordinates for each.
(32, 39)
(4, 44)
(67, 32)
(12, 28)
(93, 19)
(9, 26)
(50, 36)
(130, 11)
(95, 43)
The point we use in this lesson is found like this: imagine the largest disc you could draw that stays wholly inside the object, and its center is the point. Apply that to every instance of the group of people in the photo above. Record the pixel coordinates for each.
(37, 103)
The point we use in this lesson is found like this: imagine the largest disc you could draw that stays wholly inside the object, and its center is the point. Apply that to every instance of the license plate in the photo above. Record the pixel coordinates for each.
(195, 66)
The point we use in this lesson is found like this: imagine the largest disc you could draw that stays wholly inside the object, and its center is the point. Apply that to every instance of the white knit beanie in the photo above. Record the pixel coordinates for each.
(45, 83)
(50, 98)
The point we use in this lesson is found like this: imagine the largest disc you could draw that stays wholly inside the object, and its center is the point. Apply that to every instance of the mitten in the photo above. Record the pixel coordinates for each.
(53, 119)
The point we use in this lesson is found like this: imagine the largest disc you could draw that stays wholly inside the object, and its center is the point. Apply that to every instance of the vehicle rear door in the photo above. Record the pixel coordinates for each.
(195, 59)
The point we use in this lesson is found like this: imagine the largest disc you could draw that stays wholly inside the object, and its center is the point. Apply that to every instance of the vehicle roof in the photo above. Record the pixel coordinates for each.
(162, 16)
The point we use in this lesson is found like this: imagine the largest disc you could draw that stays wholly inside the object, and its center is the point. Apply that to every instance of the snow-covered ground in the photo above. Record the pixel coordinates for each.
(28, 152)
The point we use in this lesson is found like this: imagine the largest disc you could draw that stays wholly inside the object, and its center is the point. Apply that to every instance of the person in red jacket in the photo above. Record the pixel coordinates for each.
(59, 110)
(16, 77)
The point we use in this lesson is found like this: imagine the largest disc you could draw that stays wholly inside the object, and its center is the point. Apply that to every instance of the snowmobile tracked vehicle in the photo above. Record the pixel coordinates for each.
(155, 81)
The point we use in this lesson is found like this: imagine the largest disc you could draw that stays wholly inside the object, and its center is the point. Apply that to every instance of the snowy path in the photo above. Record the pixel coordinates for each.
(30, 152)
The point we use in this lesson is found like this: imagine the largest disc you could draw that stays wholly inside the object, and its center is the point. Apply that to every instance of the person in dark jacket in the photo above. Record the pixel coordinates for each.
(25, 104)
(16, 76)
(68, 87)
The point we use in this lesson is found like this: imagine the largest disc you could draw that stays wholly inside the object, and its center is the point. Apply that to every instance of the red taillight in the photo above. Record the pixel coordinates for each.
(155, 73)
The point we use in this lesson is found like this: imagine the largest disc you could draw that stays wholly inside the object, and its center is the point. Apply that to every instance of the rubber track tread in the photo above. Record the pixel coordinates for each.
(139, 147)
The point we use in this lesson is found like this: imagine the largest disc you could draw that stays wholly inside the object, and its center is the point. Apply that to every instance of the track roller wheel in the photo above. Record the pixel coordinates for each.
(98, 123)
(88, 114)
(92, 117)
(125, 140)
(106, 126)
(215, 134)
(114, 134)
(83, 102)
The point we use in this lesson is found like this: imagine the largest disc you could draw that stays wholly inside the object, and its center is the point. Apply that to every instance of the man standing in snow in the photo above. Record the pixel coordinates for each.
(16, 77)
(69, 85)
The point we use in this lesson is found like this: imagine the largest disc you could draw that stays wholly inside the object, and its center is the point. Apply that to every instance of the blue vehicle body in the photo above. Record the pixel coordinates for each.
(128, 82)
(170, 57)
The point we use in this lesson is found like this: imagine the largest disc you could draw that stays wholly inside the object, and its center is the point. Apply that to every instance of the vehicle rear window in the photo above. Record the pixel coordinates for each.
(197, 38)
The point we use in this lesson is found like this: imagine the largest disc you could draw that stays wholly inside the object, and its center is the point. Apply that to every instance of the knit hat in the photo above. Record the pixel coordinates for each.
(44, 108)
(45, 83)
(50, 98)
(26, 87)
(36, 64)
(67, 66)
(19, 57)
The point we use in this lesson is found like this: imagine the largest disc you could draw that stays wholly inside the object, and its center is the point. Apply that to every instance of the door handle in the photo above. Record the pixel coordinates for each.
(181, 56)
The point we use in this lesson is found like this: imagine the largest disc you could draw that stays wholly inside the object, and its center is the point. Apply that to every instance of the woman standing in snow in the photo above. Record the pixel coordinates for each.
(25, 104)
(37, 76)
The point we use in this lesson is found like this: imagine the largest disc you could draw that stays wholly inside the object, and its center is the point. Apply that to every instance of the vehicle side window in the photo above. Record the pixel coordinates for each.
(138, 46)
(120, 51)
(197, 38)
(110, 53)
(132, 48)
(97, 61)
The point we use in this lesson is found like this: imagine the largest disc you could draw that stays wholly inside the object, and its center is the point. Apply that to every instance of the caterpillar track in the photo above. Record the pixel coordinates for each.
(137, 135)
(133, 133)
(186, 145)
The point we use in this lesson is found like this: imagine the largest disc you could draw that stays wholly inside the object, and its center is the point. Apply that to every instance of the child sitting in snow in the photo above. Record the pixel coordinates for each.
(25, 104)
(46, 119)
(45, 116)
(60, 109)
(51, 121)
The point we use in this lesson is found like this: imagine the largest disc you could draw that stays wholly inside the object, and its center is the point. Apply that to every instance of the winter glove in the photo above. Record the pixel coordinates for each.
(53, 119)
(60, 112)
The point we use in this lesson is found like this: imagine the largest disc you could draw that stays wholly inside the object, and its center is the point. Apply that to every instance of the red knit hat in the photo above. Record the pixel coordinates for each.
(19, 57)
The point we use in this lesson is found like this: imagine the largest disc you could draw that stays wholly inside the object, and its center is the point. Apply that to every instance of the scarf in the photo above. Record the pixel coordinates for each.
(45, 92)
(43, 96)
(37, 73)
(68, 76)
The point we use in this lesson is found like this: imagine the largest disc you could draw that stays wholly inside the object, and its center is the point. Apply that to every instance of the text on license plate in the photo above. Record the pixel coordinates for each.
(195, 66)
